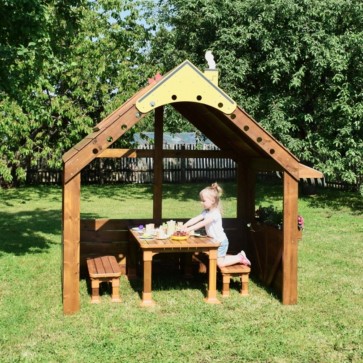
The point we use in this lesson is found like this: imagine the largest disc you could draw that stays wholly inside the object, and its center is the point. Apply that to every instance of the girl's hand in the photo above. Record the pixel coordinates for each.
(184, 229)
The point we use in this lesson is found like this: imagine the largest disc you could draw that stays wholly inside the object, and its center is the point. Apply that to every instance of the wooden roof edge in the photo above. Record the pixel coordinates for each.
(113, 116)
(106, 122)
(308, 172)
(268, 133)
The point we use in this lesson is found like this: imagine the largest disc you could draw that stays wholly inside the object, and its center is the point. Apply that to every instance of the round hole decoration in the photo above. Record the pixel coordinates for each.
(220, 104)
(110, 139)
(233, 116)
(174, 97)
(272, 151)
(95, 151)
(259, 139)
(123, 127)
(246, 128)
(199, 97)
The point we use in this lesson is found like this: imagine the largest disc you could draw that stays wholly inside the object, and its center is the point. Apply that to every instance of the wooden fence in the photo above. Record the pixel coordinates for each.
(176, 170)
(125, 170)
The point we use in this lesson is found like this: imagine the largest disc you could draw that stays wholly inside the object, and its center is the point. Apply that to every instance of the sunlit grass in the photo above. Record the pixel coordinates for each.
(325, 325)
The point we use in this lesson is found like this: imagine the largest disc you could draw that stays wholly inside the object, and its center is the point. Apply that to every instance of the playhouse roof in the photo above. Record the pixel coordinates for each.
(197, 97)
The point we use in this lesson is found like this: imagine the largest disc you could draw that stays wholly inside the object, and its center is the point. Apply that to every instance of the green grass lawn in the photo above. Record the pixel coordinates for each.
(325, 325)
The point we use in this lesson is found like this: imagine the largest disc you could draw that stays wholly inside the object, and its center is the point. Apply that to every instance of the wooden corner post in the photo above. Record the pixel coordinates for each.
(290, 241)
(158, 165)
(71, 244)
(246, 181)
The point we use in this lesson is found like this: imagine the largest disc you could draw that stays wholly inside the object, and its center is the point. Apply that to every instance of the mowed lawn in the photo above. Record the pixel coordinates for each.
(325, 326)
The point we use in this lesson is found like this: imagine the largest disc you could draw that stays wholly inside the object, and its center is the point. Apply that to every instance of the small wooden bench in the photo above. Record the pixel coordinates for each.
(104, 269)
(241, 271)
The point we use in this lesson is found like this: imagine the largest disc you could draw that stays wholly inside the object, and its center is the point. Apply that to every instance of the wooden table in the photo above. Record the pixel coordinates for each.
(151, 247)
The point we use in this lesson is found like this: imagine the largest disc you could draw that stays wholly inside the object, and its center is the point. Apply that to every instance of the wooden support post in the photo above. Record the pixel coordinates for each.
(212, 279)
(71, 248)
(147, 299)
(246, 181)
(290, 239)
(158, 165)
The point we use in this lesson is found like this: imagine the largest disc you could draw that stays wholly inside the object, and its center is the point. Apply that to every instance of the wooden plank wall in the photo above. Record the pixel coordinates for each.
(99, 237)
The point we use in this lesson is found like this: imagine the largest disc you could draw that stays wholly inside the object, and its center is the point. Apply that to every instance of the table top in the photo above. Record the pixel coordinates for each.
(193, 242)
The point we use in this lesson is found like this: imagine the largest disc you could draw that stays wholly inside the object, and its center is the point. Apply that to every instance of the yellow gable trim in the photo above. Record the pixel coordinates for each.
(186, 84)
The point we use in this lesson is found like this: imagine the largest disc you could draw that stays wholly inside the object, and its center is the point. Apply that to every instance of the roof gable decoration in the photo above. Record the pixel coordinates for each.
(186, 83)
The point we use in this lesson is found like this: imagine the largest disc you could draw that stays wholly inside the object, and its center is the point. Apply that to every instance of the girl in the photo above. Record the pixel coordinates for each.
(211, 219)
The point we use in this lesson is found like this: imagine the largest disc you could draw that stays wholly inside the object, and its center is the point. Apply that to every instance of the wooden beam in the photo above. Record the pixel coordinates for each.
(96, 143)
(204, 120)
(307, 172)
(105, 123)
(71, 247)
(290, 241)
(158, 164)
(265, 142)
(261, 164)
(142, 153)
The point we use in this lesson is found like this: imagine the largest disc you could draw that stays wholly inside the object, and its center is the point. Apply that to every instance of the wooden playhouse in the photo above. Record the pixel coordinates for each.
(197, 97)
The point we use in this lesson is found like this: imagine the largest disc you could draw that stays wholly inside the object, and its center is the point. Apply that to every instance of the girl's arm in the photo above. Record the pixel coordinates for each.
(192, 221)
(196, 223)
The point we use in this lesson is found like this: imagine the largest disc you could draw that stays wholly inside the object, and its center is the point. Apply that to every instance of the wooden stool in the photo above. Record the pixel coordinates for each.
(104, 269)
(241, 271)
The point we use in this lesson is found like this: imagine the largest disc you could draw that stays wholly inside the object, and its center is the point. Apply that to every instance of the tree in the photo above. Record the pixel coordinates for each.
(295, 66)
(64, 66)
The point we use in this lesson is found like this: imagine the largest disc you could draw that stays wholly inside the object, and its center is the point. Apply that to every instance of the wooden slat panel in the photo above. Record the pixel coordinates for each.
(104, 236)
(112, 224)
(99, 266)
(92, 268)
(115, 266)
(107, 266)
(235, 269)
(104, 266)
(125, 224)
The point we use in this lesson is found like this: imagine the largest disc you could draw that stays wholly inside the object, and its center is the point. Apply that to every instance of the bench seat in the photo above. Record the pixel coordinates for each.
(104, 269)
(241, 271)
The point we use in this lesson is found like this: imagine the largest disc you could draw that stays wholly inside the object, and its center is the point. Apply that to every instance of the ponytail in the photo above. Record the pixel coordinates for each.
(214, 191)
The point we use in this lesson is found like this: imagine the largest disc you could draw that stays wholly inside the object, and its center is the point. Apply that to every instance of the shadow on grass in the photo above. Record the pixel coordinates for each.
(24, 233)
(172, 280)
(23, 195)
(335, 200)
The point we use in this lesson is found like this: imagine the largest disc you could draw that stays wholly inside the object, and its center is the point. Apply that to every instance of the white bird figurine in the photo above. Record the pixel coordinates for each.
(210, 59)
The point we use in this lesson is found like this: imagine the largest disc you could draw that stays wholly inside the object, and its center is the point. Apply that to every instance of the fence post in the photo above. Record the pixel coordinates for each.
(182, 167)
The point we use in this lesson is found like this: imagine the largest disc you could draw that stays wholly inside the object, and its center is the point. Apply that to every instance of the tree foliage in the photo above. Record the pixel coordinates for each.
(64, 65)
(295, 66)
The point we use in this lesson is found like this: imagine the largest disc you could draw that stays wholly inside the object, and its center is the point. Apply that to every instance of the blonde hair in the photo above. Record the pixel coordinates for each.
(213, 191)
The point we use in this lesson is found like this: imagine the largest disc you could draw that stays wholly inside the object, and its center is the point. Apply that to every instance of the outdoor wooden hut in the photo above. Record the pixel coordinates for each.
(197, 97)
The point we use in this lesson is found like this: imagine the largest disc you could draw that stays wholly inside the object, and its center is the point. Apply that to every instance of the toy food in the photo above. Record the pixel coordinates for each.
(179, 236)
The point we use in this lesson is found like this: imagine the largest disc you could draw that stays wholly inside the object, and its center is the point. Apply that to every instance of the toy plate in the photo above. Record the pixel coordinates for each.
(147, 236)
(179, 238)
